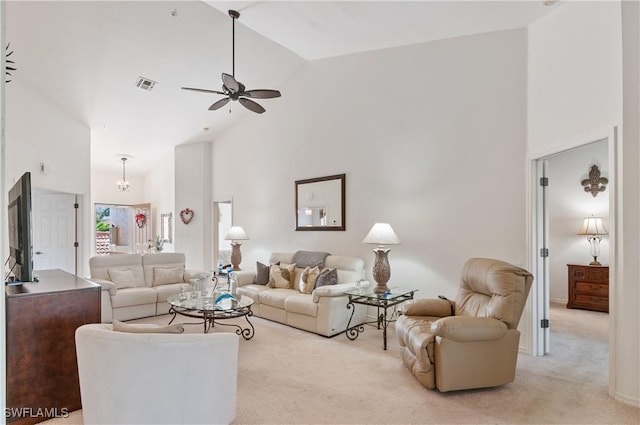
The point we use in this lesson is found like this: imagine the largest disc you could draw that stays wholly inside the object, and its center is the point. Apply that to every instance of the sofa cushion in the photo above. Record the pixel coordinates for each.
(176, 328)
(307, 281)
(134, 296)
(327, 277)
(282, 276)
(122, 278)
(262, 273)
(165, 291)
(253, 291)
(168, 275)
(301, 304)
(276, 297)
(309, 258)
(160, 259)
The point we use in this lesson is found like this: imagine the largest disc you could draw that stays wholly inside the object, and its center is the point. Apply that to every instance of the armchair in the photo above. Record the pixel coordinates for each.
(156, 378)
(471, 342)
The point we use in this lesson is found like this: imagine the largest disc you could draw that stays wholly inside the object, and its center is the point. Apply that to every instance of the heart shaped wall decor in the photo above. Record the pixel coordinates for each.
(186, 215)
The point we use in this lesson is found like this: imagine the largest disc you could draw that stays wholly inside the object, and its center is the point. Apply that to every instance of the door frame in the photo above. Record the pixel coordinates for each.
(534, 218)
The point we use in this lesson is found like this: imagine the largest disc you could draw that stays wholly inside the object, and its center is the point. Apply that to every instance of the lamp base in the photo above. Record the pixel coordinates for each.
(381, 270)
(595, 262)
(236, 256)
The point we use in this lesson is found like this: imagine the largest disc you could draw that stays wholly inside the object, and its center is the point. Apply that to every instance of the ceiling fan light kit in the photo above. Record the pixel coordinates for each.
(232, 88)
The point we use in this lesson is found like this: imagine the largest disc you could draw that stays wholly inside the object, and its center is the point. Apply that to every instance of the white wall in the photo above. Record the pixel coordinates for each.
(159, 188)
(568, 205)
(39, 131)
(193, 191)
(431, 138)
(575, 96)
(104, 188)
(627, 372)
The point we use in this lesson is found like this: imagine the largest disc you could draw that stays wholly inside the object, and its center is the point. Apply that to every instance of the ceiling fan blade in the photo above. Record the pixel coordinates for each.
(230, 83)
(251, 105)
(203, 90)
(262, 94)
(219, 104)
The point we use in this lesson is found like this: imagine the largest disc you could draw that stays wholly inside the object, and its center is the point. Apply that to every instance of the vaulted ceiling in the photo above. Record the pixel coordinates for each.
(86, 57)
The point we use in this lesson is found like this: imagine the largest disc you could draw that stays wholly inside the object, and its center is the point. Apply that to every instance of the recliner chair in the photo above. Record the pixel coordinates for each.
(471, 342)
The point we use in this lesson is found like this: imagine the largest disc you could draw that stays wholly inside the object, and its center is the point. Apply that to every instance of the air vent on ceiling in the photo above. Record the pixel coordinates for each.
(145, 83)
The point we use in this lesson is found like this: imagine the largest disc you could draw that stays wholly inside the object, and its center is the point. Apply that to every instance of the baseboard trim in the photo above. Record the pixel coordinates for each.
(622, 398)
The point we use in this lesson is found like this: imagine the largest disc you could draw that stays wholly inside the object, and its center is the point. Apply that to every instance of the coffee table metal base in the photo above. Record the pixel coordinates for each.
(212, 318)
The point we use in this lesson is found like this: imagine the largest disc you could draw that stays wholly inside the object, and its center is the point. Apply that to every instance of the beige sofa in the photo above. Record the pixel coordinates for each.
(324, 311)
(135, 285)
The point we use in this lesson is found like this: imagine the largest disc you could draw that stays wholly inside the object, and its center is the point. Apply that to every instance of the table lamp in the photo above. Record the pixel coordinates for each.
(381, 234)
(594, 229)
(236, 233)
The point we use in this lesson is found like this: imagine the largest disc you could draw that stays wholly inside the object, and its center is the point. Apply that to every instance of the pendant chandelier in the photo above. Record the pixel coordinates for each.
(123, 185)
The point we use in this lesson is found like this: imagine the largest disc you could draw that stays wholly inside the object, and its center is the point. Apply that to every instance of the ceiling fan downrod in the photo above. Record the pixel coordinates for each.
(234, 15)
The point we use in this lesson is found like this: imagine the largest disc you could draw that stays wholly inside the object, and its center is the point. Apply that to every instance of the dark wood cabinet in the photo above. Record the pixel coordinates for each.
(41, 320)
(588, 287)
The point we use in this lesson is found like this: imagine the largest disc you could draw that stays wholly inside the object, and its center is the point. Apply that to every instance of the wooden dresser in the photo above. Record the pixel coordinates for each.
(41, 321)
(588, 287)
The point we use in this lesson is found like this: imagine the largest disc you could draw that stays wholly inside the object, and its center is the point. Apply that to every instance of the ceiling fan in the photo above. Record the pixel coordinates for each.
(232, 88)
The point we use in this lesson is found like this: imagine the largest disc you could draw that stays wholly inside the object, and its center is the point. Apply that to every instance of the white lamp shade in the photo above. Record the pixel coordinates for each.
(593, 226)
(381, 234)
(236, 233)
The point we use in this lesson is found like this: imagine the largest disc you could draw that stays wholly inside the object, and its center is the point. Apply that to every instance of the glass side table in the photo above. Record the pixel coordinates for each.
(382, 302)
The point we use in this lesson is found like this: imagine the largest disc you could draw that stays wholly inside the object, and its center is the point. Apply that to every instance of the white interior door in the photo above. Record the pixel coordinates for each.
(54, 231)
(542, 306)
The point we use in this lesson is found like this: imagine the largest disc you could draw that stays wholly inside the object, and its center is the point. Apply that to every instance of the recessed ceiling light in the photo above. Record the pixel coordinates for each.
(549, 2)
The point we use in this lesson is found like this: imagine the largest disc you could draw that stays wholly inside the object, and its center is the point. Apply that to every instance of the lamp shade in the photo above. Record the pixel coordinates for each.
(381, 234)
(236, 233)
(593, 226)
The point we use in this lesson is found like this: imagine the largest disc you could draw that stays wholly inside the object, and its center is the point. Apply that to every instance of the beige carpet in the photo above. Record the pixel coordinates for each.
(288, 376)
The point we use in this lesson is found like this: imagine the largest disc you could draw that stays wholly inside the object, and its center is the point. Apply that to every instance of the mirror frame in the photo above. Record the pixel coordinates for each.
(166, 227)
(343, 216)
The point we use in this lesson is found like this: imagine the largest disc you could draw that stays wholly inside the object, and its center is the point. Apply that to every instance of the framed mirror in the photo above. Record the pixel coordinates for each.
(165, 227)
(320, 203)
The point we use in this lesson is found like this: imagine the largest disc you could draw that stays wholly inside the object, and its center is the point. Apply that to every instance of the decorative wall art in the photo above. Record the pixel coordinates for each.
(595, 183)
(141, 219)
(186, 215)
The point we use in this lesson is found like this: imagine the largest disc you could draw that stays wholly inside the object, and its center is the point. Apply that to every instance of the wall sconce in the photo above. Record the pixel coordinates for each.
(595, 184)
(594, 229)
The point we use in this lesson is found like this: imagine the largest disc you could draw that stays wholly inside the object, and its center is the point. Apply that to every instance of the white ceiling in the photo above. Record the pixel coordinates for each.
(85, 57)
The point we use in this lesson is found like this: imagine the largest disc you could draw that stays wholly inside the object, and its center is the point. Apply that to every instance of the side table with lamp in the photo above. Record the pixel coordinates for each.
(588, 285)
(382, 298)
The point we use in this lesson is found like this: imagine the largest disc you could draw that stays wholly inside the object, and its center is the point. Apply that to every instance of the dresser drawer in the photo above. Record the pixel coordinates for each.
(591, 274)
(591, 301)
(588, 288)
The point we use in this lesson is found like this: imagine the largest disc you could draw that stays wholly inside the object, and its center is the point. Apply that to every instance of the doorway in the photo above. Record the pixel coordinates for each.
(222, 222)
(122, 229)
(561, 205)
(55, 231)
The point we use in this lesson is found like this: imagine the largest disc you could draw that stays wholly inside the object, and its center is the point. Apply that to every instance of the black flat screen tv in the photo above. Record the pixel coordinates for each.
(20, 260)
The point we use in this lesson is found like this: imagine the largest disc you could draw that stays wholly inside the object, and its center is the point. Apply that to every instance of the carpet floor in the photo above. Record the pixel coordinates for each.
(288, 376)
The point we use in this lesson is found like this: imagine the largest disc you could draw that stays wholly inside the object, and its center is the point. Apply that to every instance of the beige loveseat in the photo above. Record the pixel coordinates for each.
(135, 285)
(324, 311)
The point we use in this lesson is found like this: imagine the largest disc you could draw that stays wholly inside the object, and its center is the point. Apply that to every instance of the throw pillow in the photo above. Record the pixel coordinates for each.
(176, 328)
(167, 275)
(282, 276)
(122, 278)
(262, 275)
(327, 277)
(307, 282)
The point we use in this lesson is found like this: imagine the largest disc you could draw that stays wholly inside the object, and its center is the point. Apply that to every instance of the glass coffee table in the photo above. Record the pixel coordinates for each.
(382, 302)
(194, 304)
